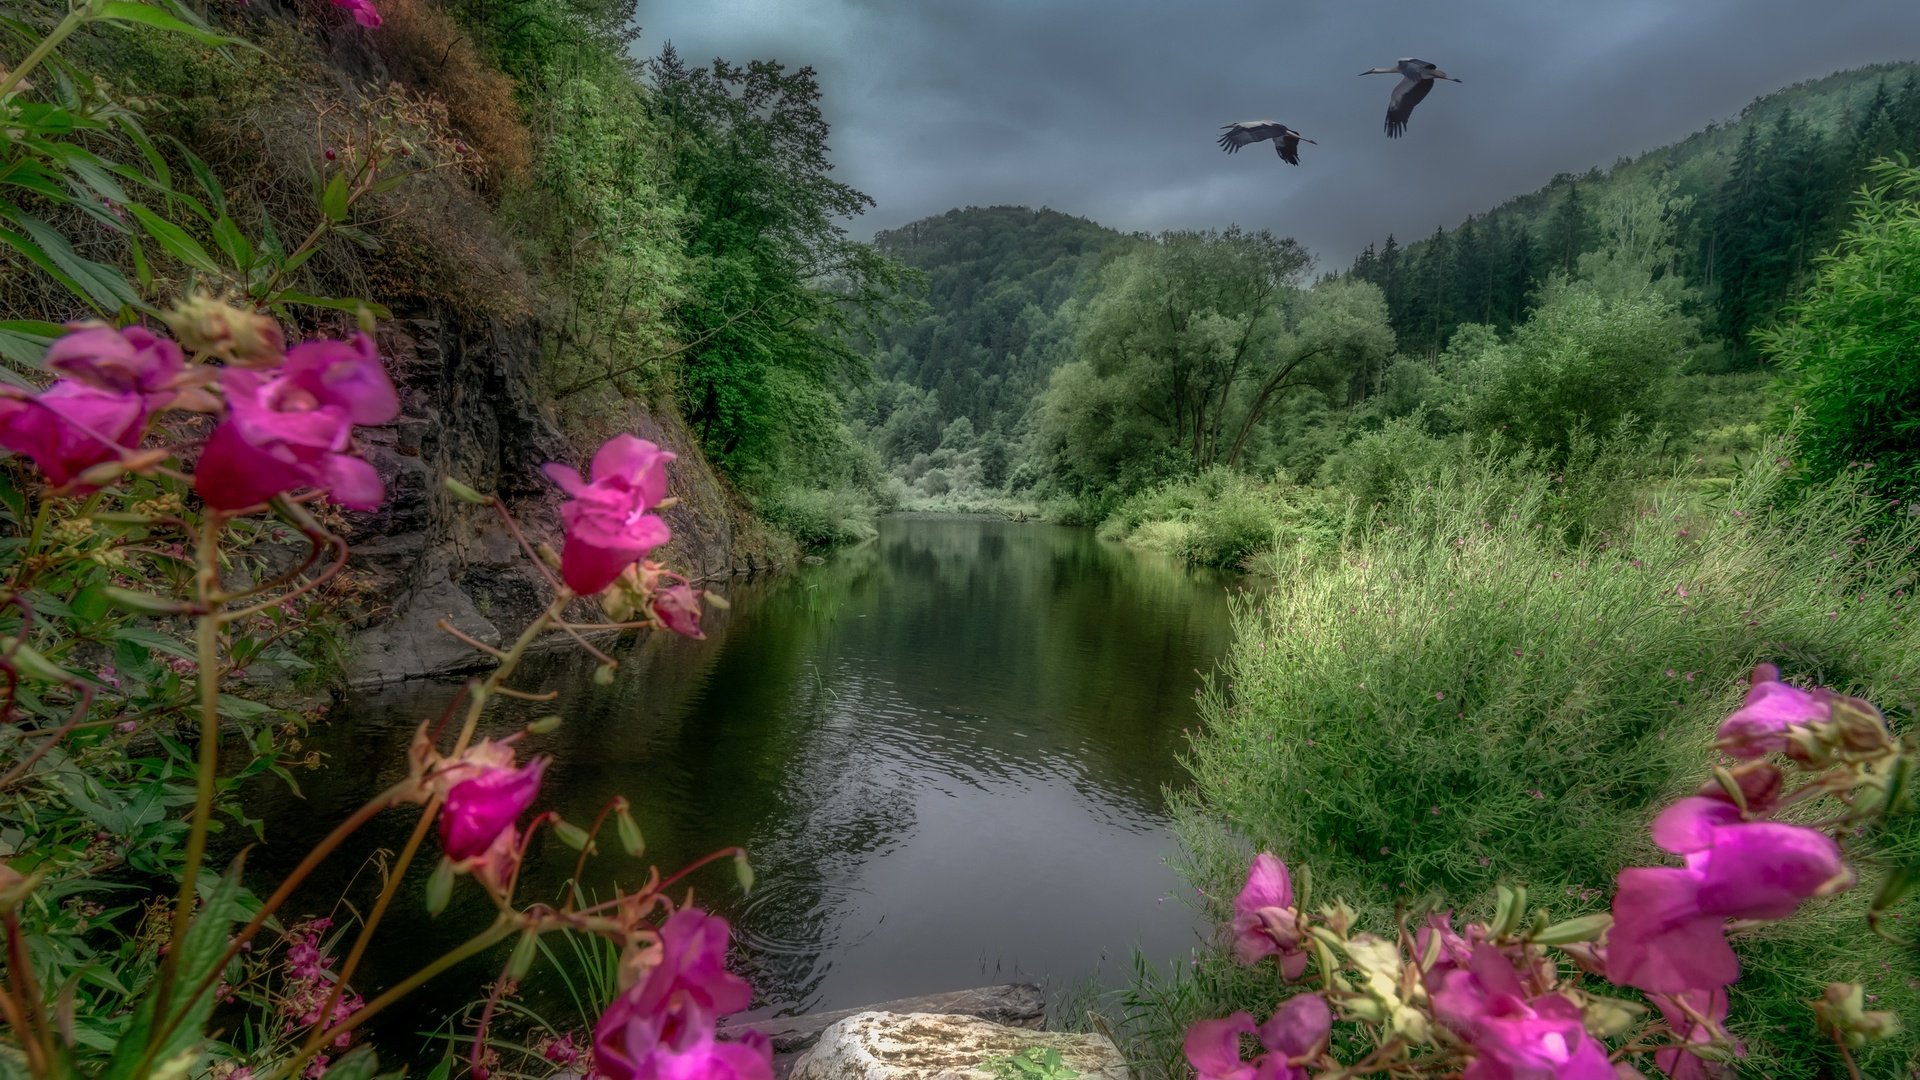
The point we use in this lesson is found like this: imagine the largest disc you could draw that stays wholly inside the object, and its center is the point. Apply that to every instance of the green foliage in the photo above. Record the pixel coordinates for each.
(1455, 698)
(996, 280)
(818, 518)
(1221, 518)
(1582, 359)
(1188, 345)
(1032, 1063)
(1752, 205)
(774, 282)
(1851, 347)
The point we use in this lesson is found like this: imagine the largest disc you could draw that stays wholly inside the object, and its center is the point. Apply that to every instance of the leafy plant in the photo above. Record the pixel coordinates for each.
(1033, 1063)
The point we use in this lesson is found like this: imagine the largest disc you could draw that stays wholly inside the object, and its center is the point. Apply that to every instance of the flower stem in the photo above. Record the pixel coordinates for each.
(40, 52)
(478, 697)
(206, 584)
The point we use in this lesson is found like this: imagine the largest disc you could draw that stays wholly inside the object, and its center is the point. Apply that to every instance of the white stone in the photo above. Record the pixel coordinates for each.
(936, 1046)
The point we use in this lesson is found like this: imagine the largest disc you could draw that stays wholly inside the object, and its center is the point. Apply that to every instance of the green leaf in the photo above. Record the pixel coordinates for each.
(333, 201)
(105, 287)
(126, 11)
(233, 242)
(174, 239)
(332, 303)
(205, 944)
(239, 708)
(153, 639)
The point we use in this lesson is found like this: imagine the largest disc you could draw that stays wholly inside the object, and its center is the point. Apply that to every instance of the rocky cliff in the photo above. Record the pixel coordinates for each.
(470, 409)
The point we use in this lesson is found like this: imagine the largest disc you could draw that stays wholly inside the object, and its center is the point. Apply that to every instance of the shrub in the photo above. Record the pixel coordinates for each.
(819, 517)
(1457, 698)
(1852, 345)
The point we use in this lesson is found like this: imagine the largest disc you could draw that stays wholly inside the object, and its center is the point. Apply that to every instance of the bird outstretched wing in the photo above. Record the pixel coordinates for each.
(1406, 95)
(1248, 131)
(1288, 147)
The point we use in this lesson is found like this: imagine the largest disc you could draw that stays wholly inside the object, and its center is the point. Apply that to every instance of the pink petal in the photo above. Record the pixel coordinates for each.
(353, 483)
(1299, 1027)
(1213, 1048)
(1687, 826)
(1765, 869)
(1660, 940)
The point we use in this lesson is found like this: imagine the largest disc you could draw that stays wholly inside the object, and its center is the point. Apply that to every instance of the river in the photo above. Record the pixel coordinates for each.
(946, 750)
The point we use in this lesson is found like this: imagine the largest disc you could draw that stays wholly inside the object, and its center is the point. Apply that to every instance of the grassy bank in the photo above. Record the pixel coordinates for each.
(1455, 697)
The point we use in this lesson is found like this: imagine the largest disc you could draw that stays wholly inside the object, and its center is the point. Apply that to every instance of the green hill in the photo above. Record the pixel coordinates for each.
(996, 279)
(1768, 192)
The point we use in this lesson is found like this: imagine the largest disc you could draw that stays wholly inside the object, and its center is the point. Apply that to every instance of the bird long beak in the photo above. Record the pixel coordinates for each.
(1307, 140)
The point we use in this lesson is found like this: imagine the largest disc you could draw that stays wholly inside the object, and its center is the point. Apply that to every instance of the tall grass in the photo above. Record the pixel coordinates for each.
(1457, 697)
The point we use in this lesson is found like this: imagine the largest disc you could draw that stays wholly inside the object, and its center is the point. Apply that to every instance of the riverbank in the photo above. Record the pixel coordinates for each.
(1457, 698)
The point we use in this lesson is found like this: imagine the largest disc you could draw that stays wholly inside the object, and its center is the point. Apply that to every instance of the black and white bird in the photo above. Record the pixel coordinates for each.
(1286, 141)
(1416, 81)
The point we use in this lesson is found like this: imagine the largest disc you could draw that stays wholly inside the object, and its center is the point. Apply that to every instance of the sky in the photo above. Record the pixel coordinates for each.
(1108, 109)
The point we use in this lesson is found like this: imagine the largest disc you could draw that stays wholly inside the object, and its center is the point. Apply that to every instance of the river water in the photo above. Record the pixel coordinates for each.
(945, 749)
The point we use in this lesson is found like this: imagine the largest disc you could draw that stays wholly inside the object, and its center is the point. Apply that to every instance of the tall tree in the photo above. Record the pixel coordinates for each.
(775, 279)
(1193, 339)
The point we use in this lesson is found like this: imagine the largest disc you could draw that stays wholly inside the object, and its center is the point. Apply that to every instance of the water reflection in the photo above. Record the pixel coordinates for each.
(945, 749)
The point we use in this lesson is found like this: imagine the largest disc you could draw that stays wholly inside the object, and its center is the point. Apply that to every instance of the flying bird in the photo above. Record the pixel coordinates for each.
(1286, 141)
(1416, 81)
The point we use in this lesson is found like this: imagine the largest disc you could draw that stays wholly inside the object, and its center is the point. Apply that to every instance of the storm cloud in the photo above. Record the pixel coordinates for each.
(1109, 109)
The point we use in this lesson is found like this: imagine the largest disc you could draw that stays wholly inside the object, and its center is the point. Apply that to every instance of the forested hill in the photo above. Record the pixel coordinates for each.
(996, 278)
(1754, 201)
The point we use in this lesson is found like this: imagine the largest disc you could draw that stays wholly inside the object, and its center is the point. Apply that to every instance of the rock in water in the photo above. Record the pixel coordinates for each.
(936, 1046)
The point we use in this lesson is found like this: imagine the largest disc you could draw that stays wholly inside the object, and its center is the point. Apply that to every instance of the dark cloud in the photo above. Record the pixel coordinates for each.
(1109, 108)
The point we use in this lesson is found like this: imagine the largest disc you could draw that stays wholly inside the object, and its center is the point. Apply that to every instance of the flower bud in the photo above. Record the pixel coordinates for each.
(545, 725)
(207, 326)
(603, 675)
(524, 952)
(1842, 1010)
(743, 871)
(462, 492)
(1584, 928)
(630, 838)
(572, 835)
(440, 887)
(1607, 1017)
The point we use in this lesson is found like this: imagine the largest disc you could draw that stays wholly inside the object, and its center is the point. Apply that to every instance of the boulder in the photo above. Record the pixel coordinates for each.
(939, 1046)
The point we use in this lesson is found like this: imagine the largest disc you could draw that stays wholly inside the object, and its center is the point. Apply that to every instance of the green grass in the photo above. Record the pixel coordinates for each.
(1457, 697)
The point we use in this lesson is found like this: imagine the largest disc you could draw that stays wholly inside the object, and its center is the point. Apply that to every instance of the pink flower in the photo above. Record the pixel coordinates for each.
(1264, 922)
(678, 609)
(561, 1051)
(607, 525)
(1293, 1035)
(292, 428)
(1772, 708)
(661, 1028)
(485, 805)
(363, 11)
(131, 361)
(70, 427)
(1668, 933)
(1515, 1038)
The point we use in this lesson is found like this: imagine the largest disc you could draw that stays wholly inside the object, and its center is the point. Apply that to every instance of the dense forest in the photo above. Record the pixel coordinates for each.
(1752, 203)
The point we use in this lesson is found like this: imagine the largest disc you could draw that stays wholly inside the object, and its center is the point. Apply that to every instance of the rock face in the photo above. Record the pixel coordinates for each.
(470, 409)
(936, 1046)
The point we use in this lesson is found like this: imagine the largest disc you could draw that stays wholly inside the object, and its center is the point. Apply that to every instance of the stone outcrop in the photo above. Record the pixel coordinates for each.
(1019, 1005)
(935, 1046)
(470, 408)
